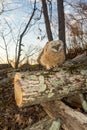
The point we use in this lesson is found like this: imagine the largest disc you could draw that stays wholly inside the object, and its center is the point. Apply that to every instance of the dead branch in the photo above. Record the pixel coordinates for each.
(22, 35)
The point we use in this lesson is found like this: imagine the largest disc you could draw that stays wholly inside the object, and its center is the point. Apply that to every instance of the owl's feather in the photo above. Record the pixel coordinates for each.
(52, 54)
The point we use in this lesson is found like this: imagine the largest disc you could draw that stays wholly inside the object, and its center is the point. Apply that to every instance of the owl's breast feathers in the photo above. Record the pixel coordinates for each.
(52, 54)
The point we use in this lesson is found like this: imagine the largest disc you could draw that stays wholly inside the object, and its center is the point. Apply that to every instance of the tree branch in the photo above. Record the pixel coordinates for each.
(22, 34)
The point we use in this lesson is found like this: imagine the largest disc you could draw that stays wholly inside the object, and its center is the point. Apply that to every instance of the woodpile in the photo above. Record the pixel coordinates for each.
(50, 89)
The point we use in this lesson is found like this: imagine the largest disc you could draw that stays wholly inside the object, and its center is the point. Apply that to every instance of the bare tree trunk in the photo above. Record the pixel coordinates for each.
(61, 22)
(47, 22)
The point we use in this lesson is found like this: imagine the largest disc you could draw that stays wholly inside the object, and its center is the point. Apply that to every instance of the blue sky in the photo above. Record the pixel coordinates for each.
(16, 15)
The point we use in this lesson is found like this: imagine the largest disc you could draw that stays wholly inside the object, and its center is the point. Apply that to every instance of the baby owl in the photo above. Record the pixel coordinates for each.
(52, 54)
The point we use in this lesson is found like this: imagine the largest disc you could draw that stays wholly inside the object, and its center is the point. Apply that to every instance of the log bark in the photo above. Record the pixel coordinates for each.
(71, 119)
(36, 87)
(45, 124)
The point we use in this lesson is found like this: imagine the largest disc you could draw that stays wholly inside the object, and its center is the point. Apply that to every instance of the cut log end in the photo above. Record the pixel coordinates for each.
(17, 90)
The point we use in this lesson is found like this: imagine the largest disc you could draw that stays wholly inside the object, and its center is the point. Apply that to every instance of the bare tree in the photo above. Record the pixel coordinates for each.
(22, 35)
(76, 26)
(61, 22)
(47, 22)
(31, 50)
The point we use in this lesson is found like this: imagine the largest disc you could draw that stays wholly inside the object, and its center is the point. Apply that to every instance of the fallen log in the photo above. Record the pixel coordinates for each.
(71, 119)
(42, 86)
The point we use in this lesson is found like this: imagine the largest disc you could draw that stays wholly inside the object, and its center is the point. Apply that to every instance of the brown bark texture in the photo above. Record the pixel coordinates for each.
(41, 86)
(71, 119)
